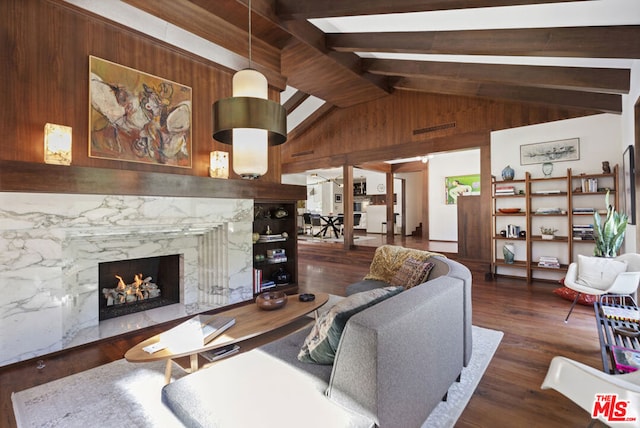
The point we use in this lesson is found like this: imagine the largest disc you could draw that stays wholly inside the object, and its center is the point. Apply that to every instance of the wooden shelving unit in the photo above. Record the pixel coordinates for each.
(266, 218)
(548, 202)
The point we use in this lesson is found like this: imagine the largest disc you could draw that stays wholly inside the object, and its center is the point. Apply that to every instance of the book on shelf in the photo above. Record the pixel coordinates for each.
(505, 190)
(582, 232)
(275, 252)
(219, 353)
(266, 285)
(583, 210)
(257, 280)
(589, 185)
(549, 211)
(196, 332)
(548, 261)
(271, 238)
(626, 360)
(547, 192)
(622, 314)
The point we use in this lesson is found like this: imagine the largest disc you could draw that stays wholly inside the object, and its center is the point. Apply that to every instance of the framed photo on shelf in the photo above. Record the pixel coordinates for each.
(628, 199)
(550, 151)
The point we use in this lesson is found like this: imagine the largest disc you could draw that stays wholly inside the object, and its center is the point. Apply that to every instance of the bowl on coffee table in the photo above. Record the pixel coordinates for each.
(271, 300)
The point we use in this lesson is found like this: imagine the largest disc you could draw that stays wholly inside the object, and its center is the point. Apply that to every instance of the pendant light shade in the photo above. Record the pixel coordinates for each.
(249, 121)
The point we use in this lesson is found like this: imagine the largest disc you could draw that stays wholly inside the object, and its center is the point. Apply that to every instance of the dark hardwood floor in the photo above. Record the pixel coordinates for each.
(508, 395)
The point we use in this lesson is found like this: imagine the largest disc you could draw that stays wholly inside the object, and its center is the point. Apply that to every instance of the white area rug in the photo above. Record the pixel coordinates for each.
(123, 394)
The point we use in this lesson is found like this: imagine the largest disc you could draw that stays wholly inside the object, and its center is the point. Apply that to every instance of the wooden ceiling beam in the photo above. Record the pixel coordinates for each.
(590, 101)
(319, 75)
(307, 46)
(605, 80)
(294, 101)
(397, 151)
(587, 42)
(297, 9)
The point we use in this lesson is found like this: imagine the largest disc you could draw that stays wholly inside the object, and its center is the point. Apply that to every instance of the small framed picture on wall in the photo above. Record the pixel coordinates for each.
(338, 198)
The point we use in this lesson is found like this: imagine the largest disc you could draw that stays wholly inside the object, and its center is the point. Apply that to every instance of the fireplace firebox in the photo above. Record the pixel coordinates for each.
(134, 285)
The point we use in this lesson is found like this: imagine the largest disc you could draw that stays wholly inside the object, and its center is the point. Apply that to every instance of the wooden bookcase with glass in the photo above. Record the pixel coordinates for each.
(562, 205)
(275, 249)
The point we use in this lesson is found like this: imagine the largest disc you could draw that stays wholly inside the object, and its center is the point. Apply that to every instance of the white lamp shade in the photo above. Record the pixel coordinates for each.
(219, 164)
(250, 152)
(57, 144)
(250, 83)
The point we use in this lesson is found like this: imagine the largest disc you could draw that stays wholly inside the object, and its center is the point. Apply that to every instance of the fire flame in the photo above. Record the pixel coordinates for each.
(121, 284)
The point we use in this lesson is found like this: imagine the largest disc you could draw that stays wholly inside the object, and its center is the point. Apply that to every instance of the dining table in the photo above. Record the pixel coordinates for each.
(330, 223)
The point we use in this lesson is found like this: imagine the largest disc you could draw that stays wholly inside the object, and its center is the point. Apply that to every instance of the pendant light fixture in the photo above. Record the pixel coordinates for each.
(249, 121)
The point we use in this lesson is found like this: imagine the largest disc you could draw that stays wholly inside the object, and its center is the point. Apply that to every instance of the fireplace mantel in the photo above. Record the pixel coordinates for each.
(16, 176)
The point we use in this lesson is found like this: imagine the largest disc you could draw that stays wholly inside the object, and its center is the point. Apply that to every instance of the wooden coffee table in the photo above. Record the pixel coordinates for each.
(250, 322)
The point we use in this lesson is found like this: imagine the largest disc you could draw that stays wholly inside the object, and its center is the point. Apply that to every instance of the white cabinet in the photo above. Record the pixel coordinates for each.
(376, 184)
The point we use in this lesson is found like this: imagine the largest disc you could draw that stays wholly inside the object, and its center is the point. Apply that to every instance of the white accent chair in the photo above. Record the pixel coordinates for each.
(580, 383)
(624, 285)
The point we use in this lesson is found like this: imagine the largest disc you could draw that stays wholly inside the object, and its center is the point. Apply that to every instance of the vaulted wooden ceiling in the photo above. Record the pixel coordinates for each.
(347, 68)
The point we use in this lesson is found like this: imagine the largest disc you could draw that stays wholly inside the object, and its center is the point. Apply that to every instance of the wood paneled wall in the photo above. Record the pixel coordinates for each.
(407, 124)
(45, 47)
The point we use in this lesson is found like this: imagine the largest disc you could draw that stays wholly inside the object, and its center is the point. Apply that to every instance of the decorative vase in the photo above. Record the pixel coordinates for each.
(508, 173)
(281, 277)
(509, 251)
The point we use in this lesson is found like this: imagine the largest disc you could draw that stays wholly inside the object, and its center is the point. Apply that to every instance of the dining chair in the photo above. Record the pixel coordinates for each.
(306, 218)
(340, 223)
(316, 221)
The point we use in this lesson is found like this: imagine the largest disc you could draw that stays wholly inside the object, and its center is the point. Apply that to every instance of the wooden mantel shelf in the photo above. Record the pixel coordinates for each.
(16, 176)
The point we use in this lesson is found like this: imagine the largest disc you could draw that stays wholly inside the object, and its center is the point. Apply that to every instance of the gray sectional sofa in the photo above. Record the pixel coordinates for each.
(394, 363)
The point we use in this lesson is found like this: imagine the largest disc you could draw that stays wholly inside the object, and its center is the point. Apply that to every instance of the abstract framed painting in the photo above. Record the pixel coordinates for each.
(137, 117)
(550, 151)
(461, 185)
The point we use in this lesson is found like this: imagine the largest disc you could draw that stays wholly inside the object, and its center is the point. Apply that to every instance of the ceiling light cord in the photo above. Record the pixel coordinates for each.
(250, 34)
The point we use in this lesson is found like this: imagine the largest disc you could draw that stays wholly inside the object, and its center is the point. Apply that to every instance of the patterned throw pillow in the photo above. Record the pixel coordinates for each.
(411, 273)
(322, 342)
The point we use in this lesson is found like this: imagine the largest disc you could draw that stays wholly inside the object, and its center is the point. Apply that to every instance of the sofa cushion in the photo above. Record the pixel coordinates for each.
(388, 259)
(322, 342)
(364, 285)
(598, 272)
(411, 273)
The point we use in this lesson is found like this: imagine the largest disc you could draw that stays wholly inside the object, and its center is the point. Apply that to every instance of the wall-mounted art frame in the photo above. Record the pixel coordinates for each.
(338, 198)
(628, 199)
(550, 151)
(460, 185)
(137, 117)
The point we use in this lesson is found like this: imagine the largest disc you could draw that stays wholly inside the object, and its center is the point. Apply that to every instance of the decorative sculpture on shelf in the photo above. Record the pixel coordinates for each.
(509, 251)
(508, 173)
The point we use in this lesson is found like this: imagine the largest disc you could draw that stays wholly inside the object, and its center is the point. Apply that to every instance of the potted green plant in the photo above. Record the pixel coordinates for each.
(547, 232)
(609, 233)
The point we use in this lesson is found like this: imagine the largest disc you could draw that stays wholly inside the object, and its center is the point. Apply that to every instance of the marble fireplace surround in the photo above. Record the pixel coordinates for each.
(51, 244)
